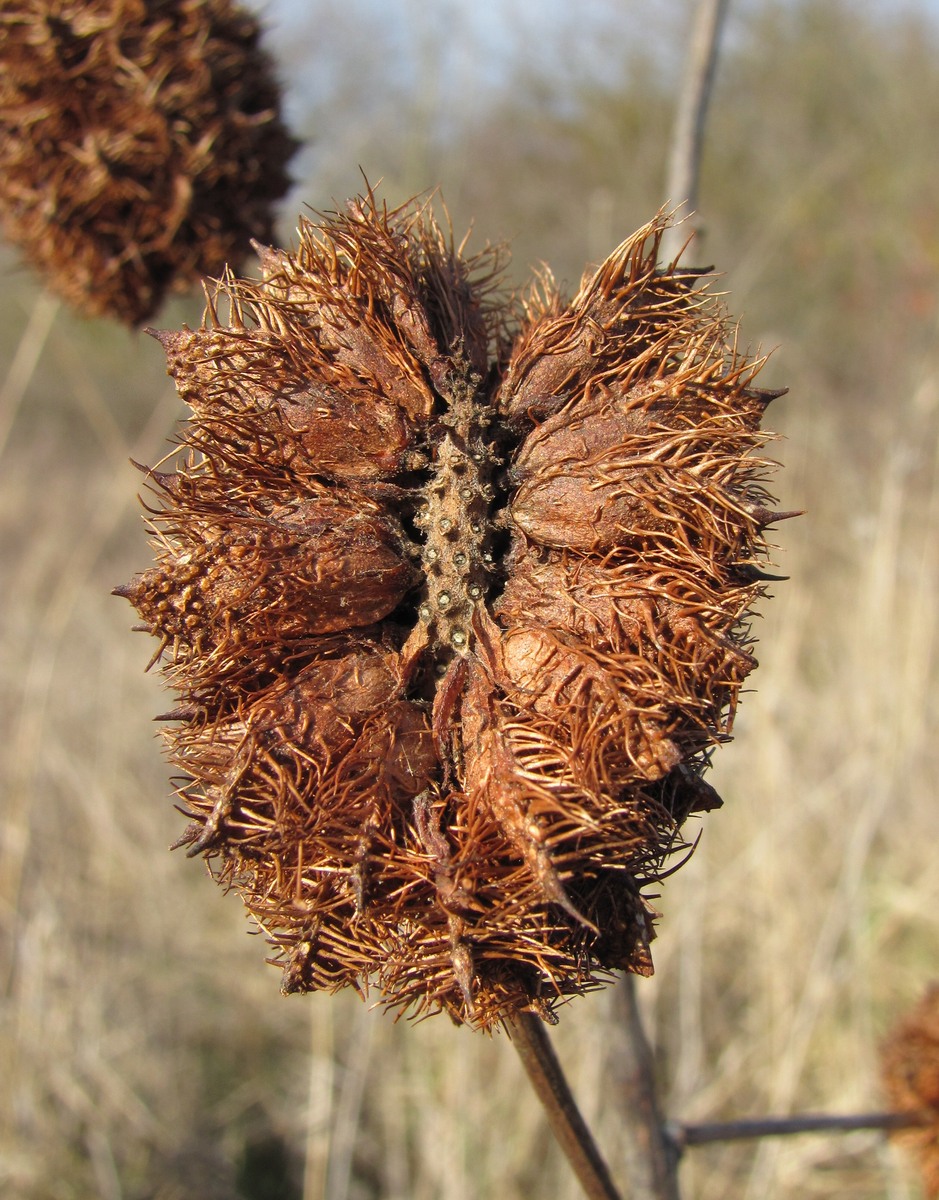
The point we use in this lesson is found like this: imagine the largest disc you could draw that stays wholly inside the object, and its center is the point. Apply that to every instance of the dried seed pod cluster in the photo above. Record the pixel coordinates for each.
(454, 593)
(910, 1065)
(141, 144)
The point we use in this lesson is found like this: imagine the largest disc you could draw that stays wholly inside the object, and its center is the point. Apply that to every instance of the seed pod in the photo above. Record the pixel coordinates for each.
(454, 594)
(620, 470)
(236, 582)
(141, 145)
(252, 409)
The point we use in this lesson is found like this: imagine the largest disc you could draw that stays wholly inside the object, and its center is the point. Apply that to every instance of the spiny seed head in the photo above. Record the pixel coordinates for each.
(141, 145)
(910, 1068)
(445, 700)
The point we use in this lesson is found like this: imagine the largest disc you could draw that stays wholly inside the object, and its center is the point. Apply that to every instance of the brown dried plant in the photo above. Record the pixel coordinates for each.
(454, 592)
(910, 1065)
(141, 145)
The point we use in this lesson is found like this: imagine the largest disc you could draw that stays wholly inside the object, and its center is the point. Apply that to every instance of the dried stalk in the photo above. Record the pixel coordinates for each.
(25, 359)
(681, 1136)
(684, 167)
(567, 1124)
(650, 1155)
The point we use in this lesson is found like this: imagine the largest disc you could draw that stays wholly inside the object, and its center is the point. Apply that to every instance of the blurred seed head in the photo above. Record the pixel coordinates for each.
(910, 1068)
(141, 145)
(453, 590)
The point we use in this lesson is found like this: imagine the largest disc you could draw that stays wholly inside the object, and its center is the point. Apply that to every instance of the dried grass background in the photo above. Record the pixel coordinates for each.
(150, 1054)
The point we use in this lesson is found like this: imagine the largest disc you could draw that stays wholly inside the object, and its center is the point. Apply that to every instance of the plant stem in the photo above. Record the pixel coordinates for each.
(724, 1131)
(684, 164)
(651, 1157)
(534, 1048)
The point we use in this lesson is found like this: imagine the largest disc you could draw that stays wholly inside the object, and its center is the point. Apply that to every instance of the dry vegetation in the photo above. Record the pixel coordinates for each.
(149, 1053)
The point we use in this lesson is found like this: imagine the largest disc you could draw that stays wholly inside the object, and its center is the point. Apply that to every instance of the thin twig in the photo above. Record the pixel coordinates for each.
(568, 1126)
(684, 165)
(725, 1131)
(651, 1158)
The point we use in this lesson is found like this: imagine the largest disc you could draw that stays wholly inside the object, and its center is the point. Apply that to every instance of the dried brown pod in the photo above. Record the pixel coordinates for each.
(141, 145)
(910, 1068)
(454, 594)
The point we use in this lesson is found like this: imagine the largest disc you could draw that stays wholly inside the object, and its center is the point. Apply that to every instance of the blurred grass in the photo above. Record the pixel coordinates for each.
(149, 1053)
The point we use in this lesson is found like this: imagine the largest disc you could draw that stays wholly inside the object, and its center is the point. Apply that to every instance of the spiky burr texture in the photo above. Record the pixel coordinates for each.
(910, 1067)
(454, 593)
(141, 145)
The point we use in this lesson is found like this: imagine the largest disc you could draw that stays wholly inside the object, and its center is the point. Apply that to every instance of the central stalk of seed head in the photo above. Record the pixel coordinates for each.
(455, 520)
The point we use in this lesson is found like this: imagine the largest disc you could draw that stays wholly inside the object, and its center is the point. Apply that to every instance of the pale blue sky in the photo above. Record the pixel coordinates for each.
(465, 45)
(348, 59)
